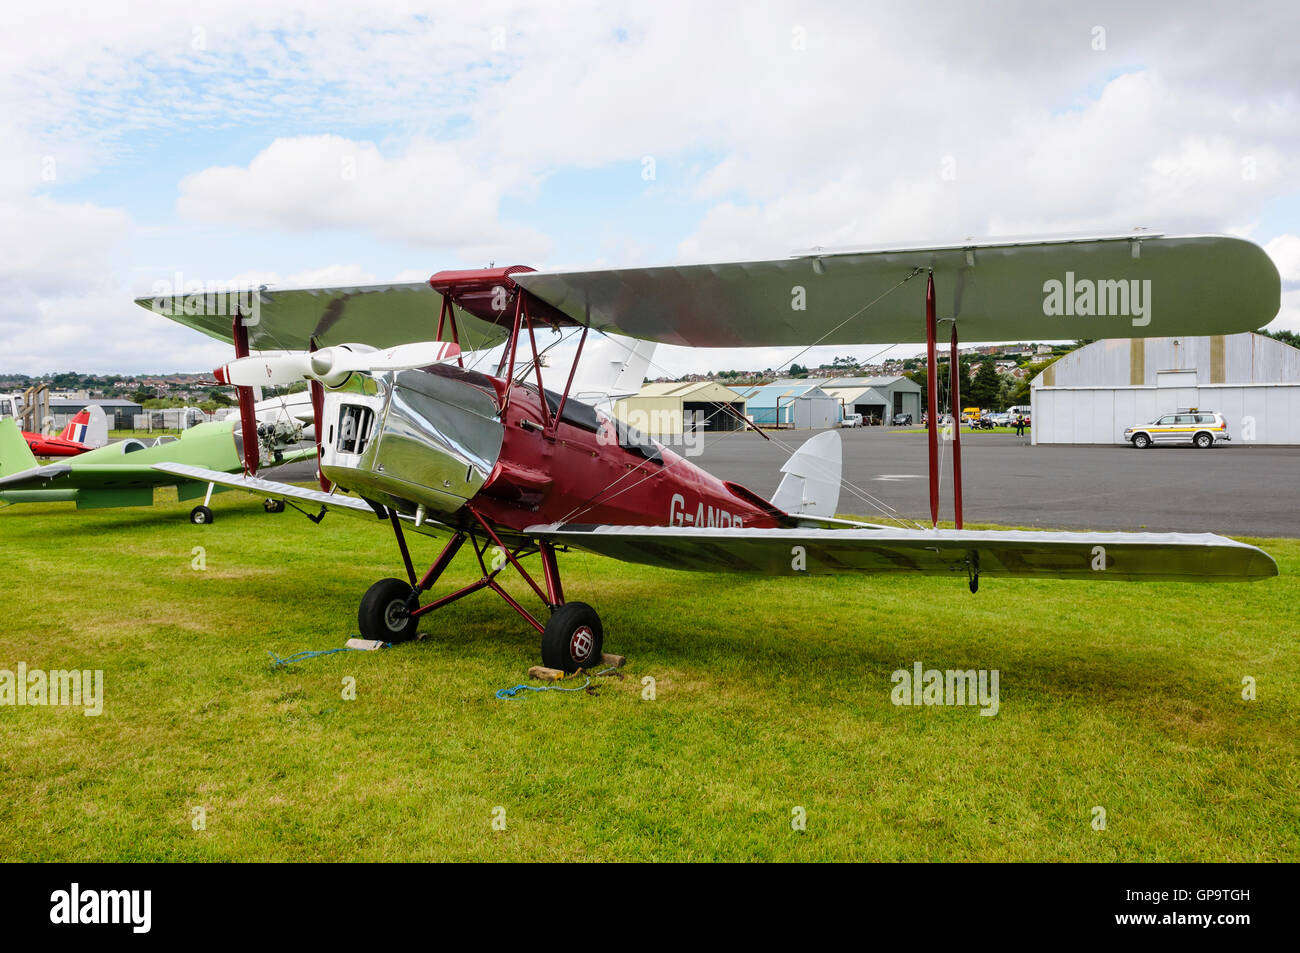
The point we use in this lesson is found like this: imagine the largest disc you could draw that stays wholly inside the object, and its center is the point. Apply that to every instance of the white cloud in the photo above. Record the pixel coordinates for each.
(431, 194)
(1285, 252)
(812, 123)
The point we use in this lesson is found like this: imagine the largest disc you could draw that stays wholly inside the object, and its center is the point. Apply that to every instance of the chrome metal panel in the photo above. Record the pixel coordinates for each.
(435, 440)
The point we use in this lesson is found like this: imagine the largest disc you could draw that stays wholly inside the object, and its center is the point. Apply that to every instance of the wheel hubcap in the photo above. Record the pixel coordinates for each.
(395, 615)
(581, 643)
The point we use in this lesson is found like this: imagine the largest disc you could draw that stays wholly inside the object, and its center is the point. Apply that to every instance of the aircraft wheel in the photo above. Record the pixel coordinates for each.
(201, 515)
(273, 506)
(385, 612)
(1203, 440)
(573, 638)
(1141, 441)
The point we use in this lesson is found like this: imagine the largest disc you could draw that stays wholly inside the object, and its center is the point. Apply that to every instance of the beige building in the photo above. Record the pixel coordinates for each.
(681, 407)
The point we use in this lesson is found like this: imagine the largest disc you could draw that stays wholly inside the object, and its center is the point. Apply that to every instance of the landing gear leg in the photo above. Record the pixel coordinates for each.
(201, 515)
(572, 638)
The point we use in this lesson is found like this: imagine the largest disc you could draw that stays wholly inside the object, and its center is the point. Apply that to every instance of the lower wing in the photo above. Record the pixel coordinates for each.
(793, 552)
(335, 502)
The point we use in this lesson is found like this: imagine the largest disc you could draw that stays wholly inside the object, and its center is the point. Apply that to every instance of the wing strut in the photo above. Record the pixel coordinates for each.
(932, 398)
(955, 400)
(247, 413)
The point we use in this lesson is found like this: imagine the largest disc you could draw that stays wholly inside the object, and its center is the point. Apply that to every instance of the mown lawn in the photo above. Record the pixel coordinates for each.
(771, 696)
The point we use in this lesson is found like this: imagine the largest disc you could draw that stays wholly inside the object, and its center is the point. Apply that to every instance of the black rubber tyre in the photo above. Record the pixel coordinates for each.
(201, 515)
(573, 638)
(273, 506)
(1141, 441)
(1204, 441)
(385, 612)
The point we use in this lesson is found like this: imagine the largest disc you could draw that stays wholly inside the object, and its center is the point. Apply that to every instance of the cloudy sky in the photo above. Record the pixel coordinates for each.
(303, 144)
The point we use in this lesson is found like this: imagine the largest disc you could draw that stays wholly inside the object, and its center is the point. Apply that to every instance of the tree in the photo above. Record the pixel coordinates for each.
(797, 370)
(1020, 392)
(1286, 337)
(986, 388)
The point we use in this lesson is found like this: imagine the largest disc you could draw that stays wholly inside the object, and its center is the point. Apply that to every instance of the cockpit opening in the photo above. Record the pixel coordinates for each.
(355, 423)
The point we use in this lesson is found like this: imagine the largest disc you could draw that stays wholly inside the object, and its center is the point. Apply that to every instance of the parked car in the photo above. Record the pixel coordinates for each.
(851, 420)
(1199, 428)
(902, 420)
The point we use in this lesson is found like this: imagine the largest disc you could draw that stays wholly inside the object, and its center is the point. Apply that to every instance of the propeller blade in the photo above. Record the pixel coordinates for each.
(259, 371)
(332, 365)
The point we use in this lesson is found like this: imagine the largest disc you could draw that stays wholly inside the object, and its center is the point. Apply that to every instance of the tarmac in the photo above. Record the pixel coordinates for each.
(1234, 489)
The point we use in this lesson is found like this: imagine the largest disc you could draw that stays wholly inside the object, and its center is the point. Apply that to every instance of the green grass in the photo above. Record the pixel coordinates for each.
(771, 695)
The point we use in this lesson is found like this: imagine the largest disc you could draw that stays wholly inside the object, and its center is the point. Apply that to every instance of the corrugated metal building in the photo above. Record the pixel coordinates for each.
(1091, 395)
(798, 404)
(670, 408)
(877, 397)
(121, 413)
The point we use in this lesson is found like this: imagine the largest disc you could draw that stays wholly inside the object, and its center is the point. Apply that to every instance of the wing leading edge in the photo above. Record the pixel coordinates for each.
(793, 552)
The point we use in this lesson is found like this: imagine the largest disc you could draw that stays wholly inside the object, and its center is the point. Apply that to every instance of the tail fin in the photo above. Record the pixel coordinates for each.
(611, 368)
(15, 455)
(89, 427)
(811, 485)
(76, 428)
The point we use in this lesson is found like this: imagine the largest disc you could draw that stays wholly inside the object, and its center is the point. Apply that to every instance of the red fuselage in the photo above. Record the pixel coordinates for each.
(572, 472)
(42, 446)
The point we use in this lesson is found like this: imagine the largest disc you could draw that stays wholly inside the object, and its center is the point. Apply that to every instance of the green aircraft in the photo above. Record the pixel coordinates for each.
(122, 474)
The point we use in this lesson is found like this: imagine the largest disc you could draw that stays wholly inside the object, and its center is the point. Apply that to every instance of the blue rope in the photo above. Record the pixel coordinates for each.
(512, 692)
(303, 656)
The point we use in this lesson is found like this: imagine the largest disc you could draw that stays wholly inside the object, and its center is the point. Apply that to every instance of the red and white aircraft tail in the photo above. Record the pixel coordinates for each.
(90, 427)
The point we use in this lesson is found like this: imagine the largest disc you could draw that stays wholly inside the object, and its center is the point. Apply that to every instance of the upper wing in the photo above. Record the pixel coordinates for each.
(997, 291)
(379, 315)
(793, 552)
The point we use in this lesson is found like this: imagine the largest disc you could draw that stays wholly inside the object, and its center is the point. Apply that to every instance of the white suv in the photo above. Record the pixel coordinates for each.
(1200, 428)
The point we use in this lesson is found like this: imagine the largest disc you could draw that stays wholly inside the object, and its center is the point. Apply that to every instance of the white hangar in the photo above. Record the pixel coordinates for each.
(1091, 395)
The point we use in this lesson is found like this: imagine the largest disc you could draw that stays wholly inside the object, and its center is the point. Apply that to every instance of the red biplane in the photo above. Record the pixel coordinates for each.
(413, 437)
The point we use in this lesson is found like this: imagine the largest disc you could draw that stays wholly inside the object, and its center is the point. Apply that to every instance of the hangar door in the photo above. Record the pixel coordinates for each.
(870, 411)
(712, 416)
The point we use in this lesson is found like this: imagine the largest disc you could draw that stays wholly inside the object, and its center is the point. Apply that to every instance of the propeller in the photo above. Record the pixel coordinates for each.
(332, 366)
